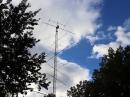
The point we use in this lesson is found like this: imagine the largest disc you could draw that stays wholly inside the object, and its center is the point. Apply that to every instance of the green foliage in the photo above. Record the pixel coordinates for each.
(18, 67)
(112, 79)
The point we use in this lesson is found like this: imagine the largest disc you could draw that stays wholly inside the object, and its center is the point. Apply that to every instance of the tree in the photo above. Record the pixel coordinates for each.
(114, 73)
(18, 66)
(110, 80)
(80, 90)
(50, 95)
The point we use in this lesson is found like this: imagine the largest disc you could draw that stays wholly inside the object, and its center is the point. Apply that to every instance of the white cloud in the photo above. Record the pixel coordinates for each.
(102, 49)
(111, 28)
(79, 16)
(122, 38)
(67, 76)
(126, 24)
(93, 39)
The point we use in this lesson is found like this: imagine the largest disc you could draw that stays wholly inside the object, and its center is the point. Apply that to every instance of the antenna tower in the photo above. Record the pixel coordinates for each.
(55, 60)
(56, 49)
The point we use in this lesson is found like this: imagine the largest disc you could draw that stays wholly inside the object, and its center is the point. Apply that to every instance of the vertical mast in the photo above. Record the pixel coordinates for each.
(55, 61)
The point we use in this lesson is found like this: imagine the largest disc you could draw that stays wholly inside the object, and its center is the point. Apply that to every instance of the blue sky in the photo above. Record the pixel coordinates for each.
(80, 54)
(113, 13)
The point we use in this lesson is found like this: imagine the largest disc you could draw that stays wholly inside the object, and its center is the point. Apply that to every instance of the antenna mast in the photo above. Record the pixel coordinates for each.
(55, 60)
(56, 49)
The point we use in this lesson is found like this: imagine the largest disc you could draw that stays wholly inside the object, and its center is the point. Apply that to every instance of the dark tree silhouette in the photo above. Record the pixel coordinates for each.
(112, 79)
(50, 95)
(18, 67)
(80, 90)
(114, 74)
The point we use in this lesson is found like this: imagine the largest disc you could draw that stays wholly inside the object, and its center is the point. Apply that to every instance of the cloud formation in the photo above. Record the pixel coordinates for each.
(78, 16)
(122, 34)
